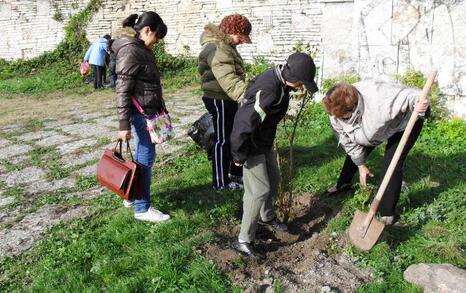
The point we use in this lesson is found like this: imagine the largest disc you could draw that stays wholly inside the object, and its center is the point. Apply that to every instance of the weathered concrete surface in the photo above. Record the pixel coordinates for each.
(388, 37)
(76, 145)
(28, 231)
(48, 186)
(74, 160)
(434, 278)
(27, 175)
(6, 201)
(14, 150)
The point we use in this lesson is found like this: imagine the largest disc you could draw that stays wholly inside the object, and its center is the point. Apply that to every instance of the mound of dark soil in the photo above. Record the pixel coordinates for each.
(303, 260)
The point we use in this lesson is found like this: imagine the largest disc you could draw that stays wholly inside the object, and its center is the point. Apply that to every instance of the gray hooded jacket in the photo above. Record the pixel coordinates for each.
(384, 108)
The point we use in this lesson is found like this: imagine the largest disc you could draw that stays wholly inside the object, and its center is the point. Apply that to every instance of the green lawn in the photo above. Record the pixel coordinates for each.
(109, 251)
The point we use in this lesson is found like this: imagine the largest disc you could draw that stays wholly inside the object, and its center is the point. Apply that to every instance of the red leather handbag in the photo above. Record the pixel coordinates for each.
(119, 175)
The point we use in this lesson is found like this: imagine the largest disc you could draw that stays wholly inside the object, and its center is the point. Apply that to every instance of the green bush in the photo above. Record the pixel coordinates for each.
(331, 82)
(259, 65)
(415, 78)
(169, 63)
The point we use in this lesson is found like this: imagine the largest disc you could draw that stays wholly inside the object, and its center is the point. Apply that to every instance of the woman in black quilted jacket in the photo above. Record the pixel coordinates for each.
(138, 77)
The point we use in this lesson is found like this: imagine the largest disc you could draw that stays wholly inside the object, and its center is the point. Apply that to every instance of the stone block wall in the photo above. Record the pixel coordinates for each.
(277, 25)
(29, 28)
(375, 37)
(370, 37)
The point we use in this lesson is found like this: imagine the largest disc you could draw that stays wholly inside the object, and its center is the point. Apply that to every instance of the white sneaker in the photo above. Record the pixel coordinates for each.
(128, 203)
(235, 186)
(152, 215)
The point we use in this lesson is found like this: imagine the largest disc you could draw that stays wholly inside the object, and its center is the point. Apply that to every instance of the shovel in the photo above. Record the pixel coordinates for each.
(365, 230)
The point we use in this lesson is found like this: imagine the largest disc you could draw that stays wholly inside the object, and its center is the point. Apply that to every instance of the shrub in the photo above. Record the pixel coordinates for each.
(415, 78)
(331, 82)
(169, 63)
(259, 65)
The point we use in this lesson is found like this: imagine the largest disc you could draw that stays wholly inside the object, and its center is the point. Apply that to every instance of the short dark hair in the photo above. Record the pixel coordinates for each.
(148, 18)
(341, 99)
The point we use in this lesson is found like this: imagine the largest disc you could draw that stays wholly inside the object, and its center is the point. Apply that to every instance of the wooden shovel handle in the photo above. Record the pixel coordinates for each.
(396, 157)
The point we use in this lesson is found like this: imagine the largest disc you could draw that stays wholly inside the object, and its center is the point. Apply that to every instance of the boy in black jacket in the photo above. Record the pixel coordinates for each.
(265, 103)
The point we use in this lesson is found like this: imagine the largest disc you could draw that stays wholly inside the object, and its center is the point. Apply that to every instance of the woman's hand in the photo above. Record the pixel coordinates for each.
(421, 106)
(124, 135)
(363, 173)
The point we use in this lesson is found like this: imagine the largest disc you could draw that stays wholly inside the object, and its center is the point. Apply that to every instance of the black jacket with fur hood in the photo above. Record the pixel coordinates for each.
(138, 76)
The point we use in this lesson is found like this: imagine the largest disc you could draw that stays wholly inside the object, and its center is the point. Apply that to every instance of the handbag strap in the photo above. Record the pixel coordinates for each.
(119, 146)
(141, 110)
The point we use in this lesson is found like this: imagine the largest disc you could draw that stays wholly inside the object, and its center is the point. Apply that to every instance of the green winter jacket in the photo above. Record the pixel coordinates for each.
(220, 66)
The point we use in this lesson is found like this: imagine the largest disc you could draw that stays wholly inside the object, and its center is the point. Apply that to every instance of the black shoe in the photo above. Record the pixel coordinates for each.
(274, 224)
(247, 249)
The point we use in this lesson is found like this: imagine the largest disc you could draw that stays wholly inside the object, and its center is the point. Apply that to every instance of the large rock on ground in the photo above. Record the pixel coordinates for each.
(444, 278)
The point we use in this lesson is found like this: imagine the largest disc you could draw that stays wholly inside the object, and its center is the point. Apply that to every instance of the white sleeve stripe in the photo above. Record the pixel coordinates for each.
(258, 108)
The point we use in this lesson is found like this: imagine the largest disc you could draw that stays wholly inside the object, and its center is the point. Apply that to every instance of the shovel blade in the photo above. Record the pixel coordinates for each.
(364, 241)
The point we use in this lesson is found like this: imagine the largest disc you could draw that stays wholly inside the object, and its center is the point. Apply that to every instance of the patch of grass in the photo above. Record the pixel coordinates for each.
(48, 159)
(432, 207)
(112, 251)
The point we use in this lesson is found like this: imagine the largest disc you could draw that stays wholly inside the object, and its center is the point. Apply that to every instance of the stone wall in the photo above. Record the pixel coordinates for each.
(370, 37)
(375, 37)
(29, 28)
(277, 24)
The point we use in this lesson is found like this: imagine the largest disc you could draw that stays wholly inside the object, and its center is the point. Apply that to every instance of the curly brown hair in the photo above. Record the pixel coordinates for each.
(341, 99)
(236, 24)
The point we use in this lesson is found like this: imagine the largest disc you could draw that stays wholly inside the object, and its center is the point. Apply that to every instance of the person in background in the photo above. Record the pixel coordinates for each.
(223, 84)
(264, 105)
(111, 64)
(95, 55)
(139, 77)
(365, 115)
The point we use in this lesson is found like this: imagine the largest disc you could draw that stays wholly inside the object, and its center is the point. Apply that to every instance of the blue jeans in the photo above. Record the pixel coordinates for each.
(145, 155)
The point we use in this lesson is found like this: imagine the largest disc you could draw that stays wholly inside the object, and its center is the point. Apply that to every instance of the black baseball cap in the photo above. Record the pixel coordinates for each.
(301, 68)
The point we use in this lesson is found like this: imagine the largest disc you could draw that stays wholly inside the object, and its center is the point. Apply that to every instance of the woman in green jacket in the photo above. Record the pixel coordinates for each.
(223, 85)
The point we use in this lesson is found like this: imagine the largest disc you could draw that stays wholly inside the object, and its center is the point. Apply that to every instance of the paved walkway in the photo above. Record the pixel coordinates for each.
(52, 163)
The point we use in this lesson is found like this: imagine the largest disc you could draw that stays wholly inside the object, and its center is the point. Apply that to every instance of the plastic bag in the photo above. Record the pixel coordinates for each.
(202, 132)
(160, 128)
(84, 68)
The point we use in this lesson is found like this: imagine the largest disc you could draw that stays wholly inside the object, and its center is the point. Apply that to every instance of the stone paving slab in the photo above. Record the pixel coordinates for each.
(4, 142)
(30, 136)
(14, 150)
(90, 170)
(74, 160)
(57, 123)
(27, 175)
(90, 193)
(48, 186)
(54, 140)
(16, 160)
(23, 235)
(109, 121)
(6, 201)
(86, 130)
(11, 128)
(76, 145)
(8, 216)
(88, 116)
